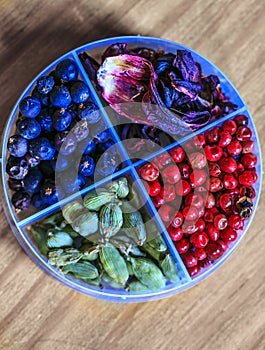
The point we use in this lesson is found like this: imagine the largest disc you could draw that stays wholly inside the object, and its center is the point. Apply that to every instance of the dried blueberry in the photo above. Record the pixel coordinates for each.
(28, 128)
(80, 130)
(60, 96)
(21, 200)
(15, 185)
(104, 146)
(30, 107)
(72, 184)
(60, 164)
(61, 120)
(100, 132)
(66, 70)
(45, 120)
(90, 146)
(65, 142)
(17, 146)
(79, 92)
(49, 193)
(89, 112)
(37, 201)
(108, 162)
(44, 99)
(32, 181)
(41, 148)
(87, 166)
(32, 162)
(45, 84)
(17, 168)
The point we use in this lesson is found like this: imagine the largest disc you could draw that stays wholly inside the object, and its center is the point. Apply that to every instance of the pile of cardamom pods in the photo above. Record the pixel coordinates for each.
(103, 242)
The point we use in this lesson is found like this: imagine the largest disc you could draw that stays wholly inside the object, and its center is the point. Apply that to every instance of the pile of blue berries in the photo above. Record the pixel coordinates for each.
(59, 116)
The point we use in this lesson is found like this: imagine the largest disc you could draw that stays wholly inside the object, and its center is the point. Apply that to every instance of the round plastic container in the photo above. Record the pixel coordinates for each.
(21, 223)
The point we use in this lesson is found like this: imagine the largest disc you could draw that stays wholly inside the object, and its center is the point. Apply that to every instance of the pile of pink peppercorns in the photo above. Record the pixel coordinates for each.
(203, 191)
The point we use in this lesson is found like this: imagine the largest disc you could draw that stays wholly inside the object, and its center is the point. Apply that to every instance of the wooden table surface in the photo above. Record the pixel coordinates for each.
(226, 311)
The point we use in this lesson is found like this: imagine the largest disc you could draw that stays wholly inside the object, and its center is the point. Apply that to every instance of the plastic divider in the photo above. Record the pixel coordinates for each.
(188, 137)
(160, 225)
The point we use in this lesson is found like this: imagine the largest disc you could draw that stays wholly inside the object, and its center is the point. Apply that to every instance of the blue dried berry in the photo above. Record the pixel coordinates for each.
(45, 84)
(108, 162)
(104, 146)
(65, 142)
(17, 168)
(28, 128)
(60, 97)
(66, 70)
(89, 112)
(17, 146)
(32, 162)
(49, 193)
(87, 166)
(32, 181)
(100, 132)
(45, 120)
(15, 185)
(37, 201)
(60, 164)
(41, 148)
(30, 107)
(44, 99)
(61, 120)
(21, 200)
(90, 146)
(79, 92)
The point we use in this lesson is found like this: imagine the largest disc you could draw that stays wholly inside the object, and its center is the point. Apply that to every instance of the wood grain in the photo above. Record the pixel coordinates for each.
(227, 311)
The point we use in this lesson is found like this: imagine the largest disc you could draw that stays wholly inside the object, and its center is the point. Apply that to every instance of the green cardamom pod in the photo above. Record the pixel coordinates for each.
(81, 270)
(113, 263)
(86, 224)
(62, 257)
(58, 239)
(136, 286)
(133, 223)
(68, 229)
(110, 220)
(148, 273)
(156, 247)
(111, 282)
(54, 219)
(97, 198)
(170, 269)
(90, 252)
(40, 236)
(129, 267)
(72, 210)
(120, 187)
(95, 282)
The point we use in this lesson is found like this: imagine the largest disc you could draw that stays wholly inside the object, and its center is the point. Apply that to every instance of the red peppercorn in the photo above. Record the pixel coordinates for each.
(208, 215)
(200, 254)
(183, 188)
(190, 260)
(175, 233)
(213, 153)
(243, 133)
(214, 169)
(194, 199)
(199, 141)
(158, 201)
(210, 201)
(248, 178)
(229, 181)
(182, 246)
(153, 188)
(201, 211)
(214, 184)
(200, 224)
(213, 135)
(177, 220)
(228, 164)
(235, 221)
(212, 232)
(185, 170)
(197, 160)
(166, 213)
(197, 177)
(228, 235)
(162, 160)
(177, 154)
(249, 160)
(168, 193)
(225, 139)
(247, 191)
(241, 119)
(247, 146)
(189, 227)
(220, 221)
(149, 172)
(226, 202)
(199, 239)
(234, 148)
(194, 270)
(222, 244)
(230, 126)
(214, 251)
(206, 263)
(171, 174)
(239, 170)
(190, 213)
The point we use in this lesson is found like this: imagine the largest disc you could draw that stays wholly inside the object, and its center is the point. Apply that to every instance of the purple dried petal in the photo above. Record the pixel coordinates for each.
(115, 50)
(91, 66)
(185, 63)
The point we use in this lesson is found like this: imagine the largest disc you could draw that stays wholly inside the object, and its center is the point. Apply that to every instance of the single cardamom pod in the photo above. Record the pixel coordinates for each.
(111, 282)
(68, 229)
(82, 270)
(148, 273)
(110, 220)
(90, 252)
(95, 282)
(40, 236)
(113, 263)
(62, 257)
(136, 286)
(97, 198)
(170, 269)
(72, 210)
(86, 224)
(59, 239)
(156, 248)
(133, 223)
(54, 219)
(120, 187)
